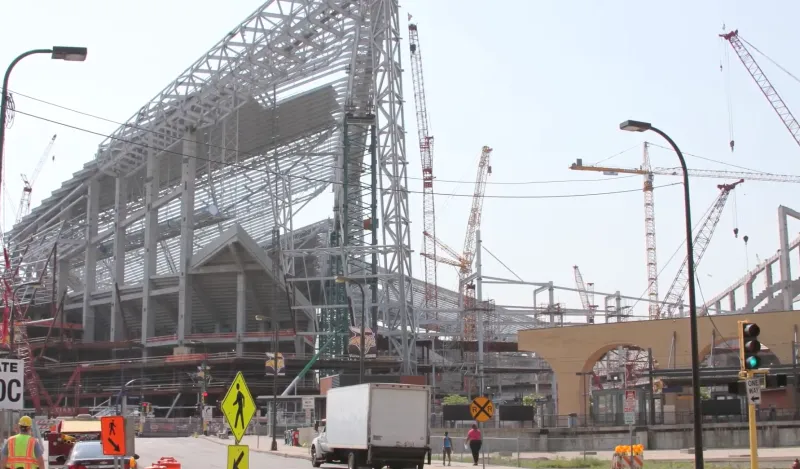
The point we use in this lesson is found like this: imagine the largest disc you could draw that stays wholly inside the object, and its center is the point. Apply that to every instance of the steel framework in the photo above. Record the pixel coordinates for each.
(287, 105)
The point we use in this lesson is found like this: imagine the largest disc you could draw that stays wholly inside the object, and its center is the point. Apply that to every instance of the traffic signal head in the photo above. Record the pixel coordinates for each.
(749, 346)
(205, 394)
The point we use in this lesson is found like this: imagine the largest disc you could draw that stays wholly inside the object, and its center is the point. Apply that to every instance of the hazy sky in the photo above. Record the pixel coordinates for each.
(542, 82)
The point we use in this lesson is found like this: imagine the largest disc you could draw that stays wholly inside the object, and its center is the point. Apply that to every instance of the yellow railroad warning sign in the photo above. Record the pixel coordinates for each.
(238, 457)
(481, 409)
(238, 407)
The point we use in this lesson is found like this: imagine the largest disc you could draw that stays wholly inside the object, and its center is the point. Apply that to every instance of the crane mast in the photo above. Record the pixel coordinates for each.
(27, 182)
(650, 235)
(586, 294)
(763, 83)
(426, 155)
(676, 291)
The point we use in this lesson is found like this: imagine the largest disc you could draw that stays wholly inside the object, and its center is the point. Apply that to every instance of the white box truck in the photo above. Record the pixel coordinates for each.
(375, 425)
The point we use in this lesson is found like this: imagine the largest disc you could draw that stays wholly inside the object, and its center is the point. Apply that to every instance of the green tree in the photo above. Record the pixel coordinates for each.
(455, 399)
(530, 399)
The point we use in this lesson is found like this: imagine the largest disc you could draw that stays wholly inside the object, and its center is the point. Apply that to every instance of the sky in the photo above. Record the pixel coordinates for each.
(542, 82)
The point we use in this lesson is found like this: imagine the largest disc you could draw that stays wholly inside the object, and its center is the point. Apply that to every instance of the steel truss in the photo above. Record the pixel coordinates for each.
(300, 97)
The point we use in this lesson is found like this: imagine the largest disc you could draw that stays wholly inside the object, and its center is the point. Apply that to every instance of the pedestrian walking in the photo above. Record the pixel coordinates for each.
(475, 440)
(447, 447)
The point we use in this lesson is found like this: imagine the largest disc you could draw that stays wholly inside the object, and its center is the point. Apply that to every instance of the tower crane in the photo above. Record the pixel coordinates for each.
(650, 234)
(426, 155)
(27, 182)
(763, 83)
(676, 291)
(586, 292)
(463, 261)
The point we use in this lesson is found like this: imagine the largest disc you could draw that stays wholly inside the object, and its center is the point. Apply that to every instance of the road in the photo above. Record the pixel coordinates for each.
(196, 453)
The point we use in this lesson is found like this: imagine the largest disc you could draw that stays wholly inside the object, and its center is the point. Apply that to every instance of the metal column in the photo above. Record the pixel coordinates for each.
(90, 268)
(151, 189)
(188, 174)
(118, 275)
(241, 310)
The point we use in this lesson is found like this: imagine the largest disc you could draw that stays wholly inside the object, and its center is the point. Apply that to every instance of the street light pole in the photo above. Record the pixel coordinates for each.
(70, 54)
(636, 126)
(362, 340)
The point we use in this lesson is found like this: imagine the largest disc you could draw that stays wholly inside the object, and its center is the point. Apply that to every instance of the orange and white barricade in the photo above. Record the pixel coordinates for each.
(624, 458)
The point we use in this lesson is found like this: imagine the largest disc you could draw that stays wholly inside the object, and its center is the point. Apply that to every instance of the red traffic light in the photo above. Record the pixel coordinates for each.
(751, 330)
(205, 394)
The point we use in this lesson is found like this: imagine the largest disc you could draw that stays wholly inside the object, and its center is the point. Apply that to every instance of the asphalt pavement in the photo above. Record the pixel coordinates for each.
(198, 453)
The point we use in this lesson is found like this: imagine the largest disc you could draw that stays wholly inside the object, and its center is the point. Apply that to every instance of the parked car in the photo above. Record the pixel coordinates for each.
(89, 455)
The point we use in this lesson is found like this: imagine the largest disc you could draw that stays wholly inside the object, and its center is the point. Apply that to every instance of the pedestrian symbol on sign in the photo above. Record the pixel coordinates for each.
(238, 407)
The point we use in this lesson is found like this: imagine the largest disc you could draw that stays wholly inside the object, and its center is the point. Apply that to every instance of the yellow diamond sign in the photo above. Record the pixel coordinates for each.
(238, 406)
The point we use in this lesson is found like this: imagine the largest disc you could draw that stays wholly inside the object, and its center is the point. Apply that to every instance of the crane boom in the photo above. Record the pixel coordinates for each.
(27, 183)
(702, 173)
(474, 223)
(429, 254)
(763, 83)
(584, 294)
(676, 291)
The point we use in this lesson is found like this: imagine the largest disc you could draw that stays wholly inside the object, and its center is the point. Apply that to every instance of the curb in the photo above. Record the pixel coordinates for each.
(265, 451)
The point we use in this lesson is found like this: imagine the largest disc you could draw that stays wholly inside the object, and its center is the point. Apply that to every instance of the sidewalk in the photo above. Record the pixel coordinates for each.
(262, 444)
(712, 455)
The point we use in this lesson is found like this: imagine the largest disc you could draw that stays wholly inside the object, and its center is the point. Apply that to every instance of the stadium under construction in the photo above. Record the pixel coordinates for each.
(191, 236)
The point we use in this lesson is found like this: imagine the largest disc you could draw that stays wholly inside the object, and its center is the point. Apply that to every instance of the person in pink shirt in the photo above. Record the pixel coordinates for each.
(475, 440)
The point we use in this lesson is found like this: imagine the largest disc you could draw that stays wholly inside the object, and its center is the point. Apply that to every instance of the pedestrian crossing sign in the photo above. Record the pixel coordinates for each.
(238, 407)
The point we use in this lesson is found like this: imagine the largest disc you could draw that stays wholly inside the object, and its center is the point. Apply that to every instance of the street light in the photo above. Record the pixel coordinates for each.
(274, 411)
(69, 54)
(362, 344)
(637, 126)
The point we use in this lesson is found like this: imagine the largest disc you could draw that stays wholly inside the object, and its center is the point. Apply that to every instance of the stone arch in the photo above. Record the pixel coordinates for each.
(668, 338)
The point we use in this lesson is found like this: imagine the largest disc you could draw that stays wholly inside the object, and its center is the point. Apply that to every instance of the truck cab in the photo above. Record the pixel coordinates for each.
(68, 431)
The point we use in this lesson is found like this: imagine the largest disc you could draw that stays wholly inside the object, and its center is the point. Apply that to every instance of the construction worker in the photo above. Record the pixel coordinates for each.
(22, 451)
(132, 464)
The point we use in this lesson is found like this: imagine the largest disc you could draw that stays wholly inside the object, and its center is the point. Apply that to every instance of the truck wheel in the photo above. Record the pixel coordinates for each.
(314, 460)
(351, 461)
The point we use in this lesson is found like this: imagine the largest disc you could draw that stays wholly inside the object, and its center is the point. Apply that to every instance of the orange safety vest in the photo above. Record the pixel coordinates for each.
(21, 454)
(132, 464)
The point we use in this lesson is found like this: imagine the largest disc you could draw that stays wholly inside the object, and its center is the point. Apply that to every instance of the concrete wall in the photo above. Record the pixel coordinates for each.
(665, 437)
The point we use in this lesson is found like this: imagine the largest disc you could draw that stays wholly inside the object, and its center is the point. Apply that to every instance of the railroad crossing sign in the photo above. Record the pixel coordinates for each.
(238, 457)
(481, 409)
(112, 435)
(754, 391)
(238, 407)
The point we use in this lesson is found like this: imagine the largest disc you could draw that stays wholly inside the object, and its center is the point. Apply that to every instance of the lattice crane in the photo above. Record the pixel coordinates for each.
(586, 292)
(650, 234)
(463, 261)
(426, 155)
(763, 83)
(27, 182)
(674, 296)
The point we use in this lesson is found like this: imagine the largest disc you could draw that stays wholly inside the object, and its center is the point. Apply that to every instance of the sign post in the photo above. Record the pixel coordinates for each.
(630, 415)
(238, 407)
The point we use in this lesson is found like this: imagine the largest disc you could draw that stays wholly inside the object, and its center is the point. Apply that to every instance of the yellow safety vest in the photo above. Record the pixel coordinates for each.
(21, 454)
(132, 464)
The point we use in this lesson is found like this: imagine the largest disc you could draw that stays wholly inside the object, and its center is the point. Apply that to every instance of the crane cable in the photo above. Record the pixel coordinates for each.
(726, 77)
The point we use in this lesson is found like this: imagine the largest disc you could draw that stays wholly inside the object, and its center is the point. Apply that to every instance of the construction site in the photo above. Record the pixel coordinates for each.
(185, 250)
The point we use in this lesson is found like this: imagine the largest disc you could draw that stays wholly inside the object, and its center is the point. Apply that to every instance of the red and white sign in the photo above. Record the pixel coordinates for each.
(630, 407)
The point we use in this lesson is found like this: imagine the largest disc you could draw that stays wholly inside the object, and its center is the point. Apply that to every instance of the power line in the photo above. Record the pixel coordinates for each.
(306, 178)
(240, 152)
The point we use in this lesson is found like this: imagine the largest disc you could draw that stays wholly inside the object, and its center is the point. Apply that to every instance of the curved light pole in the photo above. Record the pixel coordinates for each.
(203, 386)
(70, 54)
(637, 126)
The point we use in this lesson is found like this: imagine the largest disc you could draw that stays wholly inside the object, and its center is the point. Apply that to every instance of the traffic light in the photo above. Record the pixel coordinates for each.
(749, 346)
